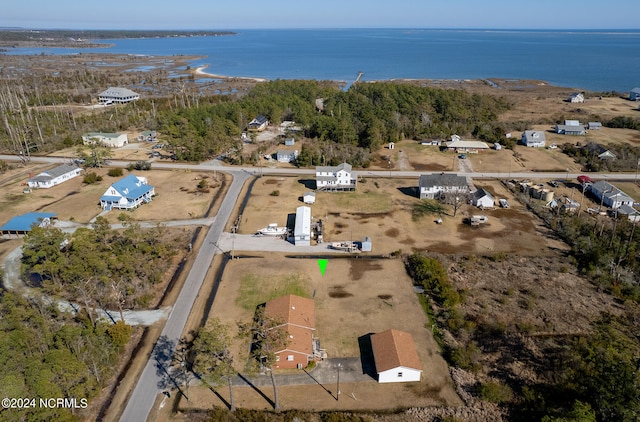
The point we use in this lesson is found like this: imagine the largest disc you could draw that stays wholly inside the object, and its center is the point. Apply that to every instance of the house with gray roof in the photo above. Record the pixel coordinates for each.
(286, 155)
(127, 193)
(432, 186)
(112, 140)
(483, 199)
(335, 178)
(576, 97)
(634, 94)
(258, 124)
(54, 176)
(117, 95)
(629, 212)
(533, 138)
(570, 129)
(609, 195)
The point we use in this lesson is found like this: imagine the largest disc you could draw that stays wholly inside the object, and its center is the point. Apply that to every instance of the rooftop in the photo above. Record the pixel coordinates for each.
(394, 348)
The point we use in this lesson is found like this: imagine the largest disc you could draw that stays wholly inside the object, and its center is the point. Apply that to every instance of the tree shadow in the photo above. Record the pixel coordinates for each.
(320, 384)
(256, 389)
(411, 191)
(366, 356)
(308, 183)
(163, 356)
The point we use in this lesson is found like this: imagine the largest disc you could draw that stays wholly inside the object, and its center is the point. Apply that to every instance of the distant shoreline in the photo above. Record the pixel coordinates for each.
(200, 71)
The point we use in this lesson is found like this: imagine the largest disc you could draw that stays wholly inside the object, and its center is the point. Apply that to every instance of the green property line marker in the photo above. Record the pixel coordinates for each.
(322, 263)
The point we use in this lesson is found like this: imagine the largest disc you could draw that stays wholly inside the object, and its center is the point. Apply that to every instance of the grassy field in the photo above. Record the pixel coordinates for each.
(252, 288)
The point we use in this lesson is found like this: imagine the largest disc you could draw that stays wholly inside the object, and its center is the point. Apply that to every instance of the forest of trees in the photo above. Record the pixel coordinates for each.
(51, 354)
(100, 268)
(350, 126)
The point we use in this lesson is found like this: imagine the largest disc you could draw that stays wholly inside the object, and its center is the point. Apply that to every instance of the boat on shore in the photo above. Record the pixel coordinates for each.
(273, 230)
(345, 246)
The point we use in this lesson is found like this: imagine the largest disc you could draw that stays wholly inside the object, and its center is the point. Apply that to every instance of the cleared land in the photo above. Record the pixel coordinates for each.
(382, 210)
(354, 298)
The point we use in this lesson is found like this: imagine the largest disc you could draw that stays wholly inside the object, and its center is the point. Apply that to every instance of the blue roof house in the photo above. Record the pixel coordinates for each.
(127, 193)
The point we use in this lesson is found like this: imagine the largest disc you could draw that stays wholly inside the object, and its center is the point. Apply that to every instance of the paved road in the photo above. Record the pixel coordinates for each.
(217, 165)
(151, 381)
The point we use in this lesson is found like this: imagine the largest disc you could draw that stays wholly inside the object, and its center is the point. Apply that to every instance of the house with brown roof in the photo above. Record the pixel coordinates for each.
(297, 316)
(396, 357)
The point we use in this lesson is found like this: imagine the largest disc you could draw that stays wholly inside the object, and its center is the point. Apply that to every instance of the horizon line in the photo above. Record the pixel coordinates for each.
(9, 28)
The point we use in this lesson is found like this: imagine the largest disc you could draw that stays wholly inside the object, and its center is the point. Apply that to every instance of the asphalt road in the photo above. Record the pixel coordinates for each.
(217, 165)
(152, 380)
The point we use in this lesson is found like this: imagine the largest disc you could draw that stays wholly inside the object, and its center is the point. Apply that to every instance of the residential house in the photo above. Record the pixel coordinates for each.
(634, 94)
(571, 127)
(258, 124)
(302, 229)
(432, 186)
(127, 193)
(117, 95)
(296, 315)
(469, 147)
(332, 178)
(533, 138)
(286, 155)
(610, 195)
(396, 357)
(22, 224)
(55, 176)
(629, 212)
(576, 97)
(600, 151)
(483, 199)
(112, 140)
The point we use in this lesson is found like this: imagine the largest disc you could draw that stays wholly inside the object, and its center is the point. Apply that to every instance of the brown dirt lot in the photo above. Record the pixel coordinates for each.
(383, 212)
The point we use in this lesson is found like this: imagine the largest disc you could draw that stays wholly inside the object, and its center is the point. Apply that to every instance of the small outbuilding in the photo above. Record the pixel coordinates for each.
(289, 142)
(396, 357)
(309, 197)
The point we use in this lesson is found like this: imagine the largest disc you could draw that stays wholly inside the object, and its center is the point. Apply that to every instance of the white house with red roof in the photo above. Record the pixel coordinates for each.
(396, 357)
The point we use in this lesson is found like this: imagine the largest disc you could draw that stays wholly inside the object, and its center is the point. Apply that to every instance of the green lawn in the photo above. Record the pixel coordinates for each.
(256, 289)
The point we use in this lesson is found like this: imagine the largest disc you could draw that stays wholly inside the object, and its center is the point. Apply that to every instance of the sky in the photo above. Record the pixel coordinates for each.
(247, 14)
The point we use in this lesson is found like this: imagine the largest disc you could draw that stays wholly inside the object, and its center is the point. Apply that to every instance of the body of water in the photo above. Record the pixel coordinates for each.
(590, 60)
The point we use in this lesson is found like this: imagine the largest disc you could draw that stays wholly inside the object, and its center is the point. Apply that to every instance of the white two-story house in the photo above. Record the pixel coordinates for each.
(335, 178)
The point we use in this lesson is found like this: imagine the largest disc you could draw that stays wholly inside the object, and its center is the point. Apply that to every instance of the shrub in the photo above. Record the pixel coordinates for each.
(275, 193)
(120, 333)
(203, 184)
(91, 178)
(496, 392)
(115, 172)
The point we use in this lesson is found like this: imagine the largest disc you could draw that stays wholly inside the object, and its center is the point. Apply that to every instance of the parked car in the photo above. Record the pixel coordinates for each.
(463, 156)
(553, 183)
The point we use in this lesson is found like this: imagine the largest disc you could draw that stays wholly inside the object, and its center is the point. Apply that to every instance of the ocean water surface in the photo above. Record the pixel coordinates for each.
(590, 60)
